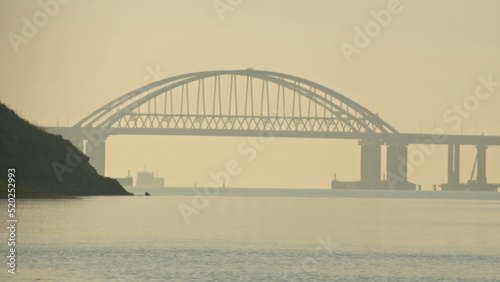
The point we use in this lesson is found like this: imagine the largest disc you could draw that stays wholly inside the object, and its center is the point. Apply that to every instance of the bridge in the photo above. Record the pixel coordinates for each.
(257, 103)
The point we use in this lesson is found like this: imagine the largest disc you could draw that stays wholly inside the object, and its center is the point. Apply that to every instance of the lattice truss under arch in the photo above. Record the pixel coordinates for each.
(237, 100)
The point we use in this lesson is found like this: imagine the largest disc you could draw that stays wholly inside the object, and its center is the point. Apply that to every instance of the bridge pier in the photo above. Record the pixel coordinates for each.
(97, 155)
(453, 170)
(397, 167)
(397, 161)
(453, 164)
(370, 162)
(480, 183)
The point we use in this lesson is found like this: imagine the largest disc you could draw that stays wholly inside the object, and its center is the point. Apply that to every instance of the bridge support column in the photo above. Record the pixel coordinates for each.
(397, 161)
(370, 162)
(97, 155)
(397, 167)
(481, 164)
(453, 164)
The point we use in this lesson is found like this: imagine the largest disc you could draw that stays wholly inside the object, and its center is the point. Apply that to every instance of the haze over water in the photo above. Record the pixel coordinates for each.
(351, 237)
(418, 71)
(424, 62)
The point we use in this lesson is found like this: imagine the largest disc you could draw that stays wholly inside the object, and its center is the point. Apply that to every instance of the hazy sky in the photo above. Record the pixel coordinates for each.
(425, 60)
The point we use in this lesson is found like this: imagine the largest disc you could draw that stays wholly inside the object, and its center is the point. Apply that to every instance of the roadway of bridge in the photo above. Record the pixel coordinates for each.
(387, 138)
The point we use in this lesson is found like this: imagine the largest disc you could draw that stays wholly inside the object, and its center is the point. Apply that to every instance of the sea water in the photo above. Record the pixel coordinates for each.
(267, 235)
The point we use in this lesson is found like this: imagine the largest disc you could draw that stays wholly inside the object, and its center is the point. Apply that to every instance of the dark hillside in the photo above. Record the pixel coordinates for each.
(35, 154)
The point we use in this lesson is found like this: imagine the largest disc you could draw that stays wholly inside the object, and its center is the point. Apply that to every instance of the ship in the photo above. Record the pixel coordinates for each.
(148, 179)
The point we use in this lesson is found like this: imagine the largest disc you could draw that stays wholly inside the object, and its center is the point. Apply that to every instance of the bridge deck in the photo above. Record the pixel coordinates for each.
(404, 138)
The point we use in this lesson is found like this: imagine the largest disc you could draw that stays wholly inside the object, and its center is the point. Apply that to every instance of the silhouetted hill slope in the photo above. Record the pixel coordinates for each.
(36, 156)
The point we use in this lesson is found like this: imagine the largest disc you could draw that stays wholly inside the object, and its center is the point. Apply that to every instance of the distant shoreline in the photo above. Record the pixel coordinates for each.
(319, 193)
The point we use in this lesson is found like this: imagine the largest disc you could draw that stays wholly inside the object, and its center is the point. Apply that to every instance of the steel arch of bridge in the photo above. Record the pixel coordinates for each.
(237, 100)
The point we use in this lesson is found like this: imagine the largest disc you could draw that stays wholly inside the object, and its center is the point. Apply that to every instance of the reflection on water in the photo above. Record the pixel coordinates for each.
(258, 238)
